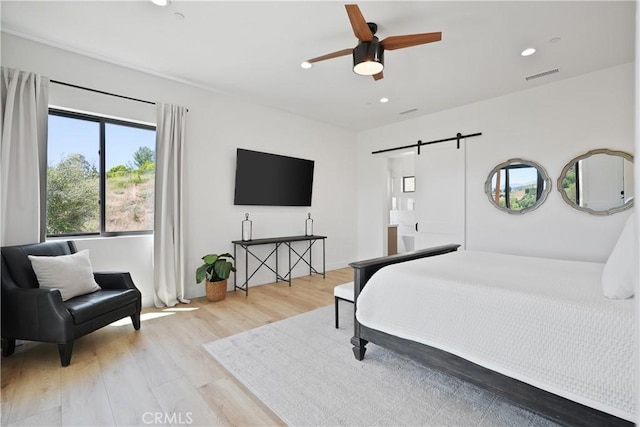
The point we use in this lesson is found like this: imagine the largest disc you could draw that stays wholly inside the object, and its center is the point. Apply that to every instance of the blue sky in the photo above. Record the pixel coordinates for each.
(68, 136)
(523, 176)
(519, 177)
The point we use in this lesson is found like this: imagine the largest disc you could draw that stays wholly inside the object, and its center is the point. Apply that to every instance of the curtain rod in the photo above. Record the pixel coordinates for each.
(102, 92)
(458, 137)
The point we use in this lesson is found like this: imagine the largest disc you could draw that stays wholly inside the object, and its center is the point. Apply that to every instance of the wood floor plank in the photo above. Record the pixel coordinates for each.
(117, 374)
(153, 361)
(183, 404)
(226, 396)
(11, 368)
(186, 351)
(38, 382)
(129, 394)
(82, 385)
(48, 418)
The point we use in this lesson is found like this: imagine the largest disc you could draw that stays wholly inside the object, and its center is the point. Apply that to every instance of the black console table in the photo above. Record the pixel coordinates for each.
(277, 242)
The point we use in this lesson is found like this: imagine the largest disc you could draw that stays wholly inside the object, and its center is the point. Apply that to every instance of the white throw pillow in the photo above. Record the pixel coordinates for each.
(72, 274)
(620, 274)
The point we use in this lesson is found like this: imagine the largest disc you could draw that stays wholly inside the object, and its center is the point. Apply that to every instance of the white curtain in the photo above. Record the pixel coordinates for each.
(23, 156)
(168, 254)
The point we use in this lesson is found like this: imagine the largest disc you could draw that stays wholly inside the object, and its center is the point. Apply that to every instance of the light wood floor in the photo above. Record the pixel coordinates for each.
(160, 374)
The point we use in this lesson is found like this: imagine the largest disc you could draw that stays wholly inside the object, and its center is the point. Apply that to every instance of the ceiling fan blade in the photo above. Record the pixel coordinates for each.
(378, 76)
(359, 24)
(342, 52)
(399, 42)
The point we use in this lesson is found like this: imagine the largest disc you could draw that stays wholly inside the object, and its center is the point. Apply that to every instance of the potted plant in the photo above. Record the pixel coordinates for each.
(216, 270)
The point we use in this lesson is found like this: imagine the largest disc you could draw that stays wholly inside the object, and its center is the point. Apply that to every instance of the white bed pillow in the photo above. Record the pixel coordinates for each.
(620, 274)
(72, 274)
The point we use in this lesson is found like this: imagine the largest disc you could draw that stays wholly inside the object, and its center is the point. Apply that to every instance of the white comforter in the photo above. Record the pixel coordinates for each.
(542, 321)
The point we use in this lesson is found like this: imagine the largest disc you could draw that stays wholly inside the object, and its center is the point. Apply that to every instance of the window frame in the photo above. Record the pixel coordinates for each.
(404, 183)
(578, 189)
(102, 121)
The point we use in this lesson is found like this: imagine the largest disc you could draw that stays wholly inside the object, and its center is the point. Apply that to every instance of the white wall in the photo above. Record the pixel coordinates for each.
(131, 253)
(549, 124)
(217, 125)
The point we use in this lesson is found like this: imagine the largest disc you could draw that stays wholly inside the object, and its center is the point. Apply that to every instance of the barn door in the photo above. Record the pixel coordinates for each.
(440, 194)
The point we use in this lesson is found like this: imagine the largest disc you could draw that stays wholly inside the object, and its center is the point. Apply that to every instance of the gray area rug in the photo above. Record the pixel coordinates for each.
(303, 369)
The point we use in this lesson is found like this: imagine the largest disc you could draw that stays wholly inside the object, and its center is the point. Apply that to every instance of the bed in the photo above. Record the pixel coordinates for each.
(536, 331)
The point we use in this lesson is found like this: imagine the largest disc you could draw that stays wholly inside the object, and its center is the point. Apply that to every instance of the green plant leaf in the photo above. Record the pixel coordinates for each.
(201, 273)
(223, 269)
(210, 259)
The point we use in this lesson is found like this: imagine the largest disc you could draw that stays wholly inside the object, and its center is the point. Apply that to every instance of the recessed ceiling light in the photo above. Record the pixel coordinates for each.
(306, 65)
(384, 100)
(160, 2)
(178, 15)
(555, 40)
(528, 51)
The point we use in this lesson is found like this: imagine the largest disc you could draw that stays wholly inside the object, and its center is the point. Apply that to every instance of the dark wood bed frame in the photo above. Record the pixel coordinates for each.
(544, 403)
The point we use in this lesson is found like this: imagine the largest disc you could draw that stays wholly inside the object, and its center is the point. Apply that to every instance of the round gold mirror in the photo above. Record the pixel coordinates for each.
(599, 182)
(517, 186)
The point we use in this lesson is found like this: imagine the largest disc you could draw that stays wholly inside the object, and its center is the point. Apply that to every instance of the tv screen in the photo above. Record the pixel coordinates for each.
(272, 180)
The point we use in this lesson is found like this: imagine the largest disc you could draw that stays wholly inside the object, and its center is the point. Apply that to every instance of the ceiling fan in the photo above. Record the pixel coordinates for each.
(368, 55)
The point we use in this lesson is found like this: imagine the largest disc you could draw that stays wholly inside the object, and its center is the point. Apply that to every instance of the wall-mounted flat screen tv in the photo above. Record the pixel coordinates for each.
(272, 180)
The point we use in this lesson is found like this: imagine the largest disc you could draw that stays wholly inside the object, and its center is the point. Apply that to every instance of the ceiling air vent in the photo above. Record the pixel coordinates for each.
(409, 111)
(542, 74)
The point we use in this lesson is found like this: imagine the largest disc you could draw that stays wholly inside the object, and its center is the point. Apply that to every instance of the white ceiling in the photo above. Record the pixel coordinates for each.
(253, 50)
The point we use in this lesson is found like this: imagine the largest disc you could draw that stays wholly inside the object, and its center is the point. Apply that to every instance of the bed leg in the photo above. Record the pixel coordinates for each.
(359, 347)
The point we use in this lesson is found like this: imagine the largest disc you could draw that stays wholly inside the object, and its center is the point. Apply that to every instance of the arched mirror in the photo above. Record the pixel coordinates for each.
(517, 186)
(599, 182)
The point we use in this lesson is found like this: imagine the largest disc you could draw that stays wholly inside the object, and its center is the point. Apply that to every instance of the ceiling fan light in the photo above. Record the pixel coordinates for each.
(368, 68)
(368, 58)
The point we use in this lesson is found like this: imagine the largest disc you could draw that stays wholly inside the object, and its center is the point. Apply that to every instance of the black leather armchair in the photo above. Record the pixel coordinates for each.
(39, 314)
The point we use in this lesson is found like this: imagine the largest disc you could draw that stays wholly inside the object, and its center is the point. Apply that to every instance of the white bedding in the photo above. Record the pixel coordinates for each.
(541, 321)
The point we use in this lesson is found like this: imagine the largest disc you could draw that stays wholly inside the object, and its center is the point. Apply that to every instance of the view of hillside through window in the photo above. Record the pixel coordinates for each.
(522, 187)
(74, 177)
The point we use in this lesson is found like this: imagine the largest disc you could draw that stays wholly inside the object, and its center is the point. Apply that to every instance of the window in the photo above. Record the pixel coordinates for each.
(525, 185)
(100, 175)
(408, 184)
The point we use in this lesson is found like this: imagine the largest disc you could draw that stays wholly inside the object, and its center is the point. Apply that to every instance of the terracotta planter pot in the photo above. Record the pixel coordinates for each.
(216, 291)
